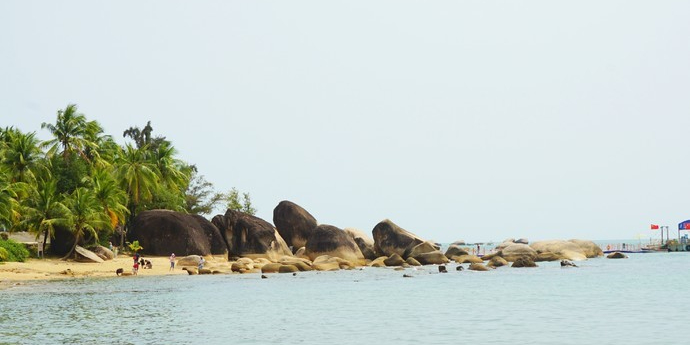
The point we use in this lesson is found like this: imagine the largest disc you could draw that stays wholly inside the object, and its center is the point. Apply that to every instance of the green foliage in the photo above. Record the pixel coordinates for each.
(12, 251)
(237, 203)
(83, 180)
(200, 197)
(135, 247)
(69, 172)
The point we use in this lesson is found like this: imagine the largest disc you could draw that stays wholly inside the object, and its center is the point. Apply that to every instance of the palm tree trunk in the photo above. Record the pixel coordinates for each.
(45, 239)
(74, 246)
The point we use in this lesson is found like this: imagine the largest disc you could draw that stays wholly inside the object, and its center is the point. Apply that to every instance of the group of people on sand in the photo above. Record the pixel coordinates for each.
(140, 262)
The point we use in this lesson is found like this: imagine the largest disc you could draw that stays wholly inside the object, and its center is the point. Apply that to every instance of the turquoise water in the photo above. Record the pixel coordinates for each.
(641, 300)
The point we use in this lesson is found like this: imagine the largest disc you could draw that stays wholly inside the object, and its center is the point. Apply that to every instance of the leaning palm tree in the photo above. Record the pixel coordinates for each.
(87, 216)
(43, 210)
(137, 176)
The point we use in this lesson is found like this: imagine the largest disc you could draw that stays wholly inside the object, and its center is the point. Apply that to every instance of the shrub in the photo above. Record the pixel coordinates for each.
(13, 251)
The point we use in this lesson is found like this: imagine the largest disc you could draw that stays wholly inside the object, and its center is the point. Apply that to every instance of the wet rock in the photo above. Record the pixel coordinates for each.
(478, 267)
(394, 260)
(616, 255)
(497, 261)
(524, 262)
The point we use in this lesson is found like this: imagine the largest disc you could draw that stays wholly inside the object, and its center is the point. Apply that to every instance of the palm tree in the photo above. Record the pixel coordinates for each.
(110, 196)
(70, 131)
(43, 210)
(137, 177)
(21, 155)
(8, 203)
(171, 170)
(87, 216)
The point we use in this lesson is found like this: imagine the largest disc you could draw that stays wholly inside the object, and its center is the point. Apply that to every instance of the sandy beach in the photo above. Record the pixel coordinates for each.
(35, 270)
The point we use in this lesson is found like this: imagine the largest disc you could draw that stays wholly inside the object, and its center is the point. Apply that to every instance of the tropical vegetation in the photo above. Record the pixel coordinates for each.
(83, 182)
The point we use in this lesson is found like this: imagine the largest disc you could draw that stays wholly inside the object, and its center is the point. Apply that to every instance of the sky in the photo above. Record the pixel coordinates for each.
(475, 120)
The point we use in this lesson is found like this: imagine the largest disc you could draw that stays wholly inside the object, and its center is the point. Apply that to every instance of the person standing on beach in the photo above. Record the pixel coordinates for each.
(172, 262)
(201, 263)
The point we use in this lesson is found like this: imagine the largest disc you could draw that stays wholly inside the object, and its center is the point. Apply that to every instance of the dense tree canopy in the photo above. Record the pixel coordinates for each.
(82, 180)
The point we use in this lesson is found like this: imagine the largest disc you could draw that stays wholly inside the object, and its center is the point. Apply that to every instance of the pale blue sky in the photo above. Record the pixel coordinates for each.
(475, 120)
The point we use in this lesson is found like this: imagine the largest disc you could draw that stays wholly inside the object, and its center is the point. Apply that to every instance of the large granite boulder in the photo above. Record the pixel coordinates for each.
(455, 250)
(591, 249)
(472, 259)
(364, 242)
(563, 250)
(332, 241)
(250, 236)
(394, 260)
(497, 261)
(431, 258)
(517, 250)
(524, 261)
(161, 232)
(391, 239)
(422, 248)
(294, 223)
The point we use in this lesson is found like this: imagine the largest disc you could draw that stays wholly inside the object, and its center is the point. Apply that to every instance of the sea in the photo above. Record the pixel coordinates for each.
(639, 300)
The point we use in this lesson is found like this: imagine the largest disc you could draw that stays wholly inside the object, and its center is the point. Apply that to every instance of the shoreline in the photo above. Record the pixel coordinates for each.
(36, 270)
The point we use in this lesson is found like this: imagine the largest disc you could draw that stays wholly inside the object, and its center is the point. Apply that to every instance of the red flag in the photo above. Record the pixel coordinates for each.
(655, 227)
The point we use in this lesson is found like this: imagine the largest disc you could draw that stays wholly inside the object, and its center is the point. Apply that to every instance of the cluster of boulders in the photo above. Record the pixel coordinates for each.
(298, 243)
(523, 254)
(296, 240)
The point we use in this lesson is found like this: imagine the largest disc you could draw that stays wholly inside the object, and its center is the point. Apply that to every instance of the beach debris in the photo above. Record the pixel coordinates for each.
(459, 268)
(67, 272)
(442, 269)
(119, 271)
(264, 276)
(407, 276)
